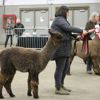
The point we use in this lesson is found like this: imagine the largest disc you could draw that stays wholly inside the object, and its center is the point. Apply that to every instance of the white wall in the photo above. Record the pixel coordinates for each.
(30, 2)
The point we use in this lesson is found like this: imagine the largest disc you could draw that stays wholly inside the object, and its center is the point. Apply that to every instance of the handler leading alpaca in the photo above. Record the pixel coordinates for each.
(26, 60)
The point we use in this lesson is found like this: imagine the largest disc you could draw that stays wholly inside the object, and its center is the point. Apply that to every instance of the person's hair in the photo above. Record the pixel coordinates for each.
(62, 11)
(93, 15)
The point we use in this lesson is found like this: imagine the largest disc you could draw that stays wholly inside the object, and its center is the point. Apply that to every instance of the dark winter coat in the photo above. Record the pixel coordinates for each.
(89, 25)
(20, 29)
(62, 25)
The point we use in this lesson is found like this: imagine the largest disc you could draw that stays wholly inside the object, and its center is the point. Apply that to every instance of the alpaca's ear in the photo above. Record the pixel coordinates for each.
(50, 31)
(55, 33)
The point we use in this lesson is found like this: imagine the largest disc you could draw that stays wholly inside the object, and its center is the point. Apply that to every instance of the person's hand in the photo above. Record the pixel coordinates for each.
(91, 30)
(84, 32)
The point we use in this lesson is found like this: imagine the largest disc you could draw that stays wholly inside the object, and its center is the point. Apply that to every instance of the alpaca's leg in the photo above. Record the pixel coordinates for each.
(3, 79)
(69, 65)
(1, 86)
(29, 85)
(96, 66)
(7, 85)
(34, 84)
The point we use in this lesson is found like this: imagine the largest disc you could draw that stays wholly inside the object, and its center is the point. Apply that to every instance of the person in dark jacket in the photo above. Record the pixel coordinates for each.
(61, 56)
(93, 20)
(19, 28)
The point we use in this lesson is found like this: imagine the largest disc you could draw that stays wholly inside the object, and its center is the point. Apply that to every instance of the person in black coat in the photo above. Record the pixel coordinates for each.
(61, 56)
(19, 28)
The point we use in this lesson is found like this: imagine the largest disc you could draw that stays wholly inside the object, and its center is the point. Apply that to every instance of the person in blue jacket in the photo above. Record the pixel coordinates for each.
(61, 56)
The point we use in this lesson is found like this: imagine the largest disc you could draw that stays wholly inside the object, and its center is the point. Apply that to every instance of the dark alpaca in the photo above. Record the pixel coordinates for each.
(94, 53)
(26, 60)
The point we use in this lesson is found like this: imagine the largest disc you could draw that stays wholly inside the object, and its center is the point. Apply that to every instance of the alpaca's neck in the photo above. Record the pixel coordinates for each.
(48, 51)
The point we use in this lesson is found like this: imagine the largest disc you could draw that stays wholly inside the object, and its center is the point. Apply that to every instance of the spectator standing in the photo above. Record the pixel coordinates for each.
(93, 20)
(9, 32)
(19, 28)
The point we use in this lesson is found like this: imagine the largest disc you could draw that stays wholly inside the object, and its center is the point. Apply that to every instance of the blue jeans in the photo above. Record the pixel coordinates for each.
(61, 71)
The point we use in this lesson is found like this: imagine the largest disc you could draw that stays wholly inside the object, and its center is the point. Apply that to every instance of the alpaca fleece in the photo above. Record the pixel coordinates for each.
(26, 60)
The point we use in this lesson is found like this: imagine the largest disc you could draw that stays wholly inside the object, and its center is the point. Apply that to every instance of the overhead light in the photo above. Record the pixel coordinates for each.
(43, 11)
(82, 10)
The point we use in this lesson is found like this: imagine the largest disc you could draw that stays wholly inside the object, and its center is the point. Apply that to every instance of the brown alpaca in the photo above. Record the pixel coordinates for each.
(94, 53)
(26, 60)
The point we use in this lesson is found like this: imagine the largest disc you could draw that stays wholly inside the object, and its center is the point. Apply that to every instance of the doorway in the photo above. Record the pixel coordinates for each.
(36, 19)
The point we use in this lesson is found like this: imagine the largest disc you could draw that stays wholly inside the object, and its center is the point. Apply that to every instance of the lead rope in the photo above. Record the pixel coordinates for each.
(85, 45)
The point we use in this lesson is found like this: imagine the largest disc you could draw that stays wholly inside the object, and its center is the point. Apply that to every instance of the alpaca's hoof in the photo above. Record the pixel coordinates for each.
(29, 94)
(68, 73)
(12, 95)
(1, 97)
(97, 74)
(36, 97)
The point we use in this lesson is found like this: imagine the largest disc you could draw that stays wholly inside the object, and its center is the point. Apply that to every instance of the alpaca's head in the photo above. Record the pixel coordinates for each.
(56, 37)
